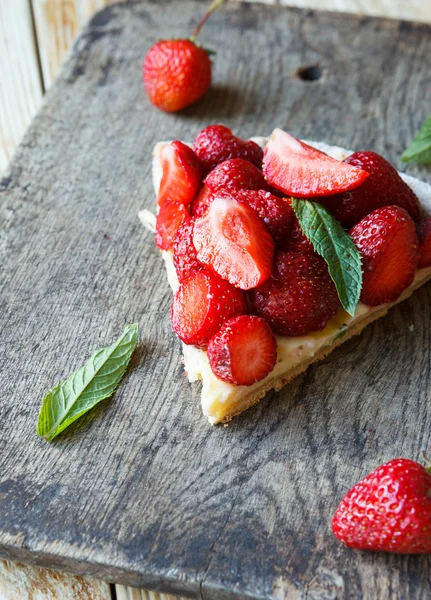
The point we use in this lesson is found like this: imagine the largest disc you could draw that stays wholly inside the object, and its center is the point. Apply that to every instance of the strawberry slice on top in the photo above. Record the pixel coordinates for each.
(182, 176)
(300, 170)
(231, 239)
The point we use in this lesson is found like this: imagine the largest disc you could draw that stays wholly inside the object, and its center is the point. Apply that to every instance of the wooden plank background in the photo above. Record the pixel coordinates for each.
(35, 36)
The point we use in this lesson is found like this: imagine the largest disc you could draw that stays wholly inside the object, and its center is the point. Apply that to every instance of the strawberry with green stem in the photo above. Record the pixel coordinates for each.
(177, 72)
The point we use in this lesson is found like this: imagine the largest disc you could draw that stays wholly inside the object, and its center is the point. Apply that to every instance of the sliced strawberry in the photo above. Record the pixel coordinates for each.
(201, 202)
(185, 259)
(231, 239)
(424, 235)
(244, 351)
(171, 215)
(299, 298)
(237, 174)
(275, 212)
(389, 249)
(300, 170)
(201, 305)
(217, 143)
(181, 176)
(384, 187)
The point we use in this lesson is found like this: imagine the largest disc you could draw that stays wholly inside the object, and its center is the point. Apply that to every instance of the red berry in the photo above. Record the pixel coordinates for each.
(201, 305)
(383, 187)
(424, 235)
(184, 252)
(181, 176)
(201, 202)
(235, 173)
(297, 240)
(176, 73)
(300, 170)
(388, 511)
(275, 212)
(389, 249)
(217, 143)
(231, 240)
(244, 351)
(299, 298)
(171, 215)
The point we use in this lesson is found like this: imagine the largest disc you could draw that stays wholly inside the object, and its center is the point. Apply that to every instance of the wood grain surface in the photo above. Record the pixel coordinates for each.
(143, 491)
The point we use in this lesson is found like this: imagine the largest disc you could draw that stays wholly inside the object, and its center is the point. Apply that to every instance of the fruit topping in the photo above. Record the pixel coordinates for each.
(244, 351)
(389, 248)
(384, 187)
(201, 305)
(201, 202)
(300, 296)
(171, 215)
(217, 143)
(424, 235)
(388, 511)
(181, 174)
(184, 252)
(232, 240)
(300, 170)
(275, 212)
(235, 173)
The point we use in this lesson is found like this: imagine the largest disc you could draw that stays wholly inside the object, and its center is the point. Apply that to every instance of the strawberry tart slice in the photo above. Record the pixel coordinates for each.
(278, 251)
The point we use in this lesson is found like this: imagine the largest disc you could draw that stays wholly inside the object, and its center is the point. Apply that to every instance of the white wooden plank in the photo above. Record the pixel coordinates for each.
(129, 593)
(20, 87)
(58, 22)
(24, 582)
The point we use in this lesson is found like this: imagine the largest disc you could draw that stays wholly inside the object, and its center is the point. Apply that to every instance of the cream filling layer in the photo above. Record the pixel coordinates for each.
(218, 398)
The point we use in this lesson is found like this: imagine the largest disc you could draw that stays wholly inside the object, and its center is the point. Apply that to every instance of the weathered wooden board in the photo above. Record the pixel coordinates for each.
(143, 491)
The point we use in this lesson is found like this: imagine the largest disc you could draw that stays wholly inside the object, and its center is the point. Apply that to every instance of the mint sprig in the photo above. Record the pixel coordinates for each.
(95, 381)
(420, 149)
(335, 246)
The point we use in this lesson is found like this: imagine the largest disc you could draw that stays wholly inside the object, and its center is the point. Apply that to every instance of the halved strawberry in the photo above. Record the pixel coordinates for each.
(384, 187)
(182, 174)
(184, 257)
(201, 202)
(424, 235)
(235, 173)
(244, 351)
(300, 296)
(275, 212)
(171, 215)
(300, 170)
(201, 305)
(231, 239)
(389, 248)
(217, 143)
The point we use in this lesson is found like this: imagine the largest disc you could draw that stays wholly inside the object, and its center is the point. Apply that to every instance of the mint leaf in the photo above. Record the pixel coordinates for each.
(96, 380)
(335, 246)
(420, 149)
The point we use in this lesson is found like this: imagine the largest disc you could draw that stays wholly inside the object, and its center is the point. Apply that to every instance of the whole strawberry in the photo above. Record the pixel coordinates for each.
(383, 187)
(177, 72)
(389, 249)
(389, 510)
(299, 297)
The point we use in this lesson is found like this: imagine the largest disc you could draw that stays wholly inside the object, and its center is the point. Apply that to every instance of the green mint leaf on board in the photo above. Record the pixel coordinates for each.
(335, 246)
(95, 381)
(420, 149)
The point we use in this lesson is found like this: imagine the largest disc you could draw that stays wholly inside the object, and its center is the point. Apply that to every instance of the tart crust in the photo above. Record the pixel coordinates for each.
(238, 400)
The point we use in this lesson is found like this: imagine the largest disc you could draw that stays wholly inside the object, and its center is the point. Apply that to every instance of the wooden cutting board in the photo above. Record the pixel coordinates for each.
(143, 491)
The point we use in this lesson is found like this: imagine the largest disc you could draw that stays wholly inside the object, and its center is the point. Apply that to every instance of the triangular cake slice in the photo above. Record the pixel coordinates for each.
(221, 401)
